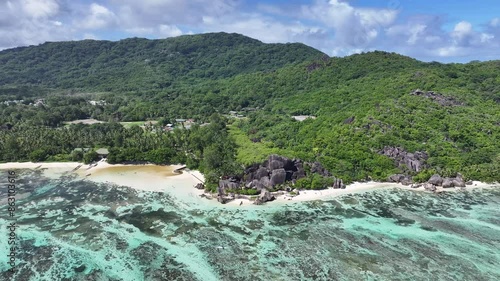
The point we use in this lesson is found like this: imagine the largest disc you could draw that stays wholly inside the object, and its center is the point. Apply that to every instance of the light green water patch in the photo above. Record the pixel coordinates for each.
(108, 233)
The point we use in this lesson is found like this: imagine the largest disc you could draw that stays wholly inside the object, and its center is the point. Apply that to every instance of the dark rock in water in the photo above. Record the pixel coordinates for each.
(436, 180)
(278, 177)
(200, 186)
(430, 187)
(265, 196)
(468, 182)
(413, 161)
(81, 268)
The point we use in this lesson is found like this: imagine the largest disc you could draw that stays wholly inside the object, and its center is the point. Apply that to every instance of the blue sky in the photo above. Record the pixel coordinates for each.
(445, 31)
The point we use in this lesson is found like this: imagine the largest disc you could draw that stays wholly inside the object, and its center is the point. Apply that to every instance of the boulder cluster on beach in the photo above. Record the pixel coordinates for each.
(275, 171)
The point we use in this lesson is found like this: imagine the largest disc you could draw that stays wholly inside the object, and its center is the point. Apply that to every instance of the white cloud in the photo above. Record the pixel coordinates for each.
(268, 29)
(89, 36)
(336, 27)
(39, 8)
(133, 13)
(462, 32)
(411, 34)
(160, 31)
(98, 17)
(426, 38)
(495, 22)
(30, 22)
(353, 28)
(169, 30)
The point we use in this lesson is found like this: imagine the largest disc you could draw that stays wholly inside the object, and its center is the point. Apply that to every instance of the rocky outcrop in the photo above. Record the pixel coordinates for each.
(261, 172)
(458, 182)
(439, 98)
(430, 187)
(436, 180)
(299, 173)
(275, 171)
(199, 186)
(265, 182)
(412, 161)
(317, 168)
(338, 183)
(447, 182)
(264, 196)
(400, 178)
(396, 178)
(349, 120)
(228, 184)
(278, 176)
(313, 66)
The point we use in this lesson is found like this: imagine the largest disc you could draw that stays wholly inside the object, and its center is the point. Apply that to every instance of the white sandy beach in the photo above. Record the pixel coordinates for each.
(149, 177)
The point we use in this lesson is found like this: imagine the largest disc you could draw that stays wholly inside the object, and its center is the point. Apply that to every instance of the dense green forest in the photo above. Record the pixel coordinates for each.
(362, 103)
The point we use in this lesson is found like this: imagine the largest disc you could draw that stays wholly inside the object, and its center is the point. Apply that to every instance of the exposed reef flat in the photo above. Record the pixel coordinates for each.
(71, 228)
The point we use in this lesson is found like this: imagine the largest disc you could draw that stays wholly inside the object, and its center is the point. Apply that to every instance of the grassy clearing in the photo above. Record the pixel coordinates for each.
(250, 152)
(128, 125)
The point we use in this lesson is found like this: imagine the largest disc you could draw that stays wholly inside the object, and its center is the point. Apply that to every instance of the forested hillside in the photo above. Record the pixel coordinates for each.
(364, 105)
(141, 64)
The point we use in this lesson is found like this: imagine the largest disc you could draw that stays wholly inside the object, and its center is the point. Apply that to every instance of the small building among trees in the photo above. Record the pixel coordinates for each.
(102, 152)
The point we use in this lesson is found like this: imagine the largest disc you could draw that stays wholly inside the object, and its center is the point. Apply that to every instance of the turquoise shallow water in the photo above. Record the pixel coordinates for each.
(77, 230)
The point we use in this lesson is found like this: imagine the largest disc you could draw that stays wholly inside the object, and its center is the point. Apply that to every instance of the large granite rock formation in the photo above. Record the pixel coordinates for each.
(437, 180)
(338, 183)
(430, 187)
(413, 161)
(275, 171)
(457, 181)
(400, 178)
(278, 176)
(264, 196)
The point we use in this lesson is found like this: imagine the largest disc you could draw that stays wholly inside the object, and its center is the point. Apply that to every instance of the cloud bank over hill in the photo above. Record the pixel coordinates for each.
(335, 27)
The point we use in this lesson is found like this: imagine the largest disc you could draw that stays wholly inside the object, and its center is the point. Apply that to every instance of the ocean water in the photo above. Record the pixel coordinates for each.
(70, 229)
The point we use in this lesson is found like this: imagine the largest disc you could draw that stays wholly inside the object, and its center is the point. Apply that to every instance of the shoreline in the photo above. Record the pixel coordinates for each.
(167, 179)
